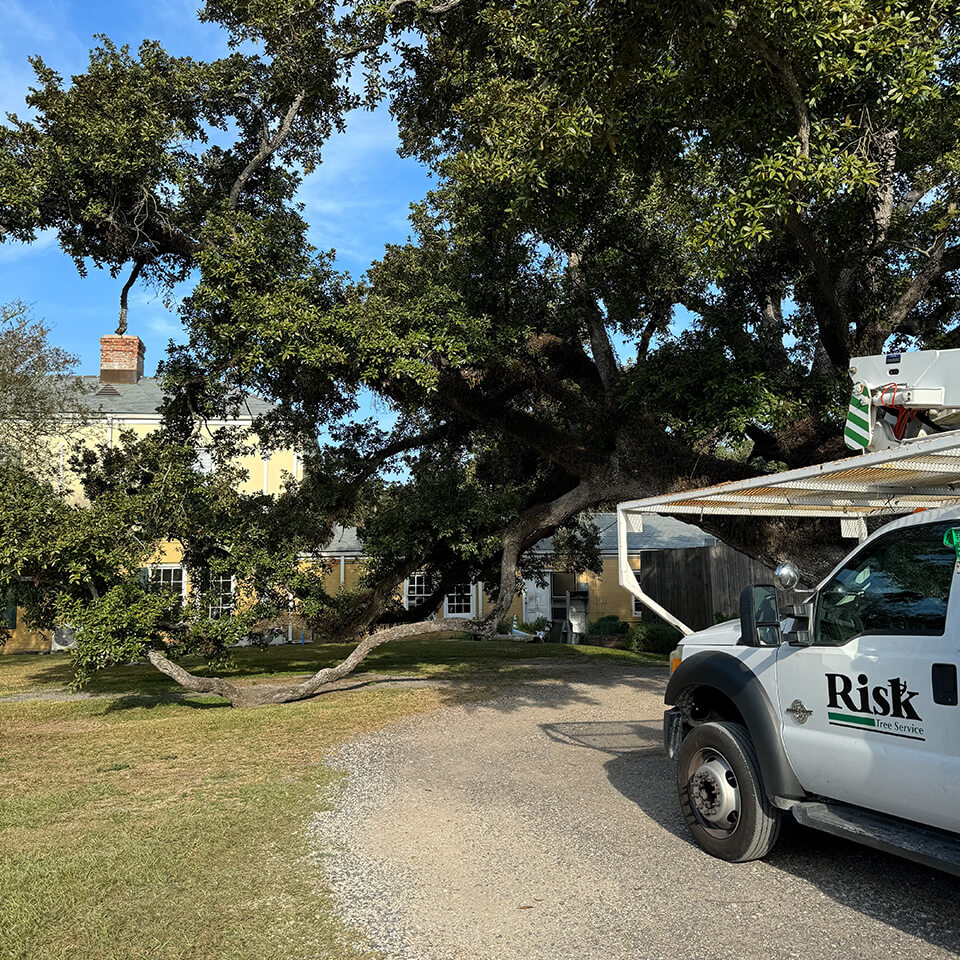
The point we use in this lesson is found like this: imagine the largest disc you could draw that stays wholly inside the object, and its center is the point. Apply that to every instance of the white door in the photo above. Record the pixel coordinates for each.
(885, 629)
(536, 600)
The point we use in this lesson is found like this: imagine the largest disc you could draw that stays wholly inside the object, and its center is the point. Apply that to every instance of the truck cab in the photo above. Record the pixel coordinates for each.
(847, 703)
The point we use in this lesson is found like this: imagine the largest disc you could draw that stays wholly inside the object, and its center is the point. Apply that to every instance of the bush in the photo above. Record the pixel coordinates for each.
(653, 637)
(609, 626)
(538, 625)
(505, 627)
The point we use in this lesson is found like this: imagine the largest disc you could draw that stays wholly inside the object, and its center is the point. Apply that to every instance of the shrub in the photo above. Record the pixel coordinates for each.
(653, 637)
(609, 626)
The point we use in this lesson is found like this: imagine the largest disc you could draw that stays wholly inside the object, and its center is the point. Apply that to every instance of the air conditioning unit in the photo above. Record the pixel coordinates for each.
(63, 639)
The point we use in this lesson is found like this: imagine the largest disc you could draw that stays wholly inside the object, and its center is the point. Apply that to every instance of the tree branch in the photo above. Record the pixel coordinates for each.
(600, 345)
(268, 146)
(832, 317)
(138, 265)
(942, 260)
(782, 70)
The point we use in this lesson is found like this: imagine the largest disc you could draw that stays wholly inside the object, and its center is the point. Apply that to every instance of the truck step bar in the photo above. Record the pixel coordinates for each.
(933, 848)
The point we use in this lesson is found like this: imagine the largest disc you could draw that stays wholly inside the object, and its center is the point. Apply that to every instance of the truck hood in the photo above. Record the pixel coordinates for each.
(721, 635)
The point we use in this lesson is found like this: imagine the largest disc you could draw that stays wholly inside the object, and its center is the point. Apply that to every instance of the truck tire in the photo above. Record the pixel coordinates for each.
(722, 794)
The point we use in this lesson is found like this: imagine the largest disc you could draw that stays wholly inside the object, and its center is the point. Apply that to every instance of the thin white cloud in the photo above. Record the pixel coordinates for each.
(11, 251)
(166, 325)
(359, 198)
(42, 28)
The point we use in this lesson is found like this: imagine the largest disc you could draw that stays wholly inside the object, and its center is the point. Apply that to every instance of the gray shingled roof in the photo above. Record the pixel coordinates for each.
(144, 399)
(345, 540)
(659, 533)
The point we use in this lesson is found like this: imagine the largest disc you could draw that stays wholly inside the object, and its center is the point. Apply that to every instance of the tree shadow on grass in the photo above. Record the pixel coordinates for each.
(914, 899)
(456, 661)
(140, 701)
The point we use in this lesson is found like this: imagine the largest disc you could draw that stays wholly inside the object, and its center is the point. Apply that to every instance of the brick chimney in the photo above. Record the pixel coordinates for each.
(121, 359)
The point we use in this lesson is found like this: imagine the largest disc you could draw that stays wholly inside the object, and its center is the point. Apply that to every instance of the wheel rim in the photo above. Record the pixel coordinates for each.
(714, 792)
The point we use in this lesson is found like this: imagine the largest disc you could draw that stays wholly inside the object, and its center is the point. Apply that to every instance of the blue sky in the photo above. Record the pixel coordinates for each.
(357, 201)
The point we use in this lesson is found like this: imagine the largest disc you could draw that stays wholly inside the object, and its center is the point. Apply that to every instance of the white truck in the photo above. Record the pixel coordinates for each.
(842, 712)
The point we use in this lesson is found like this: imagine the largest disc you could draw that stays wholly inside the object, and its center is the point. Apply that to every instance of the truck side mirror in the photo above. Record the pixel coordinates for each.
(759, 616)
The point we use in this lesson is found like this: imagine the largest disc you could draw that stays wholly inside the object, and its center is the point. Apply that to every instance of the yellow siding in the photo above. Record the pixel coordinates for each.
(24, 639)
(607, 597)
(276, 470)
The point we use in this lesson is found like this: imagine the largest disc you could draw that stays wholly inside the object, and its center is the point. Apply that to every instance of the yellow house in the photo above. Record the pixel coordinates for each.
(122, 399)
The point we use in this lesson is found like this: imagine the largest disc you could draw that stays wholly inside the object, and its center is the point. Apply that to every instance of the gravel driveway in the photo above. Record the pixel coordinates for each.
(544, 824)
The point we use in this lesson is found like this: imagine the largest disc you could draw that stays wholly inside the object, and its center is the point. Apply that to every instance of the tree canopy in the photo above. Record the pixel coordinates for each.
(41, 400)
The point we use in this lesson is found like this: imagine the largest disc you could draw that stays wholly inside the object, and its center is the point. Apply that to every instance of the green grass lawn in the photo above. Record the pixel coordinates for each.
(20, 673)
(133, 825)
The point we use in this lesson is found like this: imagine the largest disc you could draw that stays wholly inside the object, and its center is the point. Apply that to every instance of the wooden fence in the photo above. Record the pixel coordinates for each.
(699, 584)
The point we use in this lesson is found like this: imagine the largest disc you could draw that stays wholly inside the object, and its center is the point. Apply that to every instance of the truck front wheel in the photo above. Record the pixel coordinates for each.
(722, 795)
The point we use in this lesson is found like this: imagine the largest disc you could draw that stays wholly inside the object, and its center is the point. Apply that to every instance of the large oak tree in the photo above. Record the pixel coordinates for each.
(659, 234)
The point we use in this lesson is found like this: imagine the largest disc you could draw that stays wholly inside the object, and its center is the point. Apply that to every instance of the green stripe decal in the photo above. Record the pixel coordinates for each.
(858, 430)
(850, 718)
(857, 421)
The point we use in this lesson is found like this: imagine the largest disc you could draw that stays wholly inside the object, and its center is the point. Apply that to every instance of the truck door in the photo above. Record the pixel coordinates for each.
(869, 711)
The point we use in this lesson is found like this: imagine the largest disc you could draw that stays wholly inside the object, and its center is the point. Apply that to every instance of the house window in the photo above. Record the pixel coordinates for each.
(222, 588)
(459, 602)
(166, 577)
(637, 607)
(418, 589)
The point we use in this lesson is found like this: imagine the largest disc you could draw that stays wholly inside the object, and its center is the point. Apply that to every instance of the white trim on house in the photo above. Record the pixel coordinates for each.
(159, 567)
(471, 605)
(150, 420)
(221, 608)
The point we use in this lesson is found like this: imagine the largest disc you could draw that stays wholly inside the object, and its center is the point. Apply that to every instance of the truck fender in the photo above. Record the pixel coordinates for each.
(736, 681)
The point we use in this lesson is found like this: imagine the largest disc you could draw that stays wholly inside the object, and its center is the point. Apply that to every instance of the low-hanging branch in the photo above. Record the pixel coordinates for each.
(241, 695)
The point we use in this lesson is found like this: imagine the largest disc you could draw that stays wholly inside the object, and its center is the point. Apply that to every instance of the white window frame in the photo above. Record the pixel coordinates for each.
(420, 574)
(215, 611)
(154, 568)
(468, 614)
(637, 607)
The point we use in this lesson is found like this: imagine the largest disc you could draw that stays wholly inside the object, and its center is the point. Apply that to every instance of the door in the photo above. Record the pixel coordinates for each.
(885, 634)
(536, 600)
(561, 586)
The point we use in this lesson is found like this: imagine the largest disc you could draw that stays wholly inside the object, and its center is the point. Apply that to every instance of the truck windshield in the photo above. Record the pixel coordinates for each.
(898, 585)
